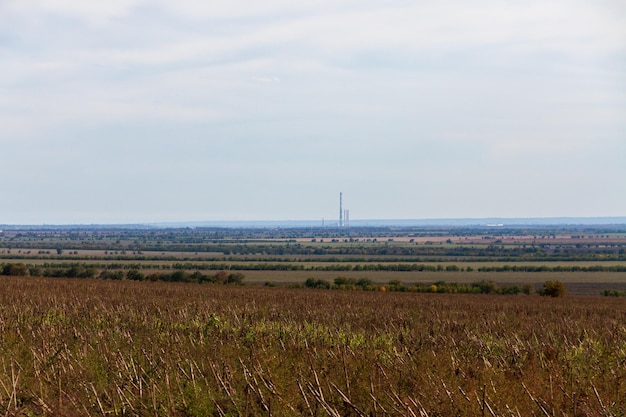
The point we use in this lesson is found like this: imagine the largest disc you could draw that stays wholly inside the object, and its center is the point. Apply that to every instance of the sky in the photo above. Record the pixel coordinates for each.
(136, 111)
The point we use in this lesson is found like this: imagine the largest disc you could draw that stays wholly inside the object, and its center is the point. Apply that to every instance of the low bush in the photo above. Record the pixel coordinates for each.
(553, 289)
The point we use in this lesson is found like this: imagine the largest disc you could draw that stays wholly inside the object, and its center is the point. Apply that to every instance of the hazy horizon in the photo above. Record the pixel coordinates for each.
(334, 223)
(136, 111)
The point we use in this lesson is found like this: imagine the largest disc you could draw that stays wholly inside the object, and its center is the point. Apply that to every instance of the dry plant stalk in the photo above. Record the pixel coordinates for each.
(83, 347)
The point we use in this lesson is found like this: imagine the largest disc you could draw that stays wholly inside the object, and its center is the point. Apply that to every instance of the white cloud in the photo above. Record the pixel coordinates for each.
(405, 87)
(197, 9)
(94, 12)
(265, 80)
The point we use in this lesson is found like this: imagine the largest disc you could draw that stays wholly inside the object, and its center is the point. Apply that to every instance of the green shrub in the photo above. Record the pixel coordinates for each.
(344, 282)
(135, 275)
(614, 293)
(17, 270)
(485, 287)
(364, 282)
(235, 278)
(553, 289)
(316, 283)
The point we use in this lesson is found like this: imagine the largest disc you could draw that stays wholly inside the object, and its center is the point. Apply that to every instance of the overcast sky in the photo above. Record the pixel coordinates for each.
(125, 111)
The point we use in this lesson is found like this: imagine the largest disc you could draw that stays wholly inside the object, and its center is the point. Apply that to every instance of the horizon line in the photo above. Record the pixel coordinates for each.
(323, 223)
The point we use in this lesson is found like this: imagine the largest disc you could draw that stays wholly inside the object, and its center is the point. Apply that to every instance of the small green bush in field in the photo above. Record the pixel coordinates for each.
(18, 270)
(553, 289)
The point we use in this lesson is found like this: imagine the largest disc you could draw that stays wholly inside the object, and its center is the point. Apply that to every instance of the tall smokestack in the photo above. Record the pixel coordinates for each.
(340, 210)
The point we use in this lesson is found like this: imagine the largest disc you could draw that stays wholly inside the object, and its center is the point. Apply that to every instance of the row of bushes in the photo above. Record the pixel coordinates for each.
(83, 271)
(614, 293)
(557, 268)
(481, 287)
(550, 288)
(301, 266)
(221, 277)
(413, 267)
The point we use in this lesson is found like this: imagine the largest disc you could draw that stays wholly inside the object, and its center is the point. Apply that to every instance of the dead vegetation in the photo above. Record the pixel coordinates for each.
(91, 347)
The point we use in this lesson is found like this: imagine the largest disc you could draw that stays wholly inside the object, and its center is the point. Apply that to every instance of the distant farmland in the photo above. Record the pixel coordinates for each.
(90, 327)
(93, 347)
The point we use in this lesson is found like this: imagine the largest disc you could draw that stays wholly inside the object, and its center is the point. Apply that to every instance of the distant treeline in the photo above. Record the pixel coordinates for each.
(395, 267)
(614, 293)
(388, 249)
(557, 268)
(73, 256)
(479, 287)
(90, 271)
(549, 288)
(50, 267)
(425, 250)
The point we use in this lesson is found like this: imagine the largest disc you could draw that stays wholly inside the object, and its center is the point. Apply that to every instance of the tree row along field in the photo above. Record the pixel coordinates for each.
(529, 243)
(588, 259)
(91, 347)
(285, 251)
(130, 344)
(582, 283)
(38, 267)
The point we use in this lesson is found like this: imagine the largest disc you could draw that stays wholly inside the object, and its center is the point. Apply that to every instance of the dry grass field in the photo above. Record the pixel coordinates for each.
(93, 347)
(579, 283)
